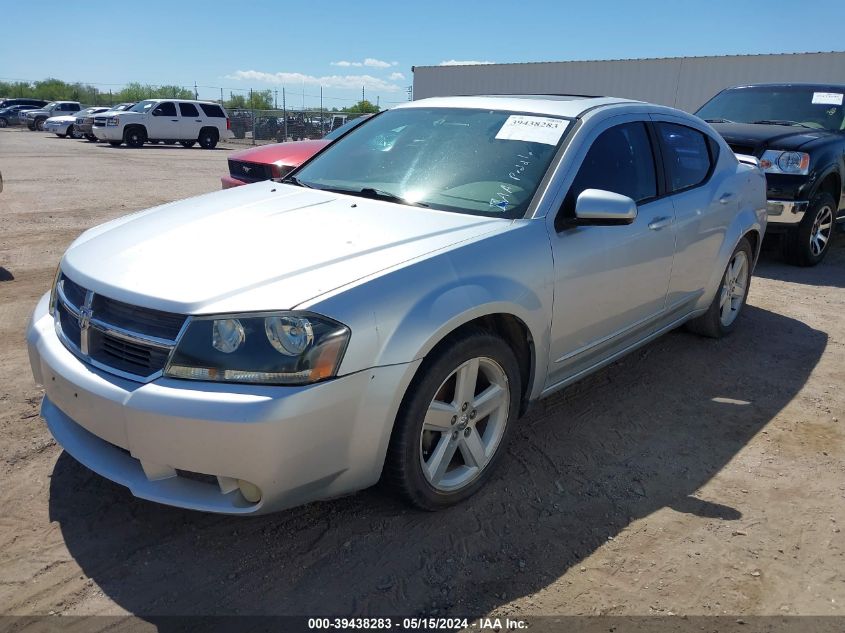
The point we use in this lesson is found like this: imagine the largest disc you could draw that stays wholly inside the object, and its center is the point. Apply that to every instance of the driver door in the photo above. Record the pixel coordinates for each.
(611, 281)
(163, 122)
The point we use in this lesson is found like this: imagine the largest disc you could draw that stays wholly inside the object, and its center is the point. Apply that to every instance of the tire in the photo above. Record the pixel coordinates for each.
(115, 143)
(3, 122)
(809, 243)
(208, 138)
(39, 124)
(135, 137)
(466, 445)
(73, 132)
(722, 316)
(91, 138)
(187, 144)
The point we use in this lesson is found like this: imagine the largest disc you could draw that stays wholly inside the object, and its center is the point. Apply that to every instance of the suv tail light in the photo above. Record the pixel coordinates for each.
(228, 124)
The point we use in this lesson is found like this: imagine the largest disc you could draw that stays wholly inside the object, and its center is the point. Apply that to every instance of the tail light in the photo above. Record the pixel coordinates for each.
(228, 124)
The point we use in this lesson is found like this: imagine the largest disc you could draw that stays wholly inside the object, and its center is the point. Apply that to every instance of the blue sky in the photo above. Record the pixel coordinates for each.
(343, 46)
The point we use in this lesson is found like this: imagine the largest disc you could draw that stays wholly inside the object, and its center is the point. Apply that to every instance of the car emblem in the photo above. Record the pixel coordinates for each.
(246, 169)
(84, 321)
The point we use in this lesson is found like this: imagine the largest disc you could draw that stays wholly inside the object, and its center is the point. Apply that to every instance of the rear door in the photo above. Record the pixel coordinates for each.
(163, 122)
(191, 120)
(705, 201)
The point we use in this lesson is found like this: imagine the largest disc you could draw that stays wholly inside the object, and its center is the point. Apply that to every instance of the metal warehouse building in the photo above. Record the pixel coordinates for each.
(682, 82)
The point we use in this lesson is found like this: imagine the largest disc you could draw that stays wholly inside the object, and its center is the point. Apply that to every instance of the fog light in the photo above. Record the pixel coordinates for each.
(251, 492)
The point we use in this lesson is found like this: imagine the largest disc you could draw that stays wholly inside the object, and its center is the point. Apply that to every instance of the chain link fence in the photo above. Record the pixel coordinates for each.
(259, 127)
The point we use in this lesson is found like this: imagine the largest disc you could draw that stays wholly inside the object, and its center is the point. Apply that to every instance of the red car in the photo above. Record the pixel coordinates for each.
(276, 160)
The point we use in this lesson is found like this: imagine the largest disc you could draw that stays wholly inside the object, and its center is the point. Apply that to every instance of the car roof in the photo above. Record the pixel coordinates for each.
(570, 106)
(180, 100)
(817, 86)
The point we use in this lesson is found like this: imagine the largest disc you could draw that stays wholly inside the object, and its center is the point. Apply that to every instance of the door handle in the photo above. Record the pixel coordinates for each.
(660, 223)
(175, 120)
(197, 120)
(726, 197)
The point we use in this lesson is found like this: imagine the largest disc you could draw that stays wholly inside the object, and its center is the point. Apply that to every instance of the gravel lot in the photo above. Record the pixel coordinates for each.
(693, 477)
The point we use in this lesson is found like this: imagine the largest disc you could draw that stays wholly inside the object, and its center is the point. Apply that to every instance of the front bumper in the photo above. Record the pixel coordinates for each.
(188, 444)
(108, 132)
(786, 211)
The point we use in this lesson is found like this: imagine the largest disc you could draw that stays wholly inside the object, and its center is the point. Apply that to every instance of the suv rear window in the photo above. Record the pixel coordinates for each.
(212, 110)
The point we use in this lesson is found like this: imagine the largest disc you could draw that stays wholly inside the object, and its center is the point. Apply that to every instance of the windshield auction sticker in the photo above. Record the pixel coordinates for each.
(534, 129)
(828, 98)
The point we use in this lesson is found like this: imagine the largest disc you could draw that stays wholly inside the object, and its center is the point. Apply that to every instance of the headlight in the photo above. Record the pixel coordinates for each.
(775, 161)
(284, 348)
(113, 120)
(54, 290)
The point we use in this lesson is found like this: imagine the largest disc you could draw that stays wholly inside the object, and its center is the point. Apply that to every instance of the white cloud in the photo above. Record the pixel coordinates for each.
(370, 62)
(457, 62)
(329, 81)
(396, 76)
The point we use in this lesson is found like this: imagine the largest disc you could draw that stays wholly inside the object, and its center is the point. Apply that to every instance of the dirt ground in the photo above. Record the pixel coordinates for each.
(693, 477)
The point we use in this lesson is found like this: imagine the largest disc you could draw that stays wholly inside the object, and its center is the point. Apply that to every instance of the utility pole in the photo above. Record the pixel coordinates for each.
(322, 118)
(276, 99)
(285, 112)
(221, 96)
(363, 98)
(410, 91)
(196, 93)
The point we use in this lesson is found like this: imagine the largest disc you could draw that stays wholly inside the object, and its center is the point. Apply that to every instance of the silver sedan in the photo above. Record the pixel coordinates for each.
(391, 308)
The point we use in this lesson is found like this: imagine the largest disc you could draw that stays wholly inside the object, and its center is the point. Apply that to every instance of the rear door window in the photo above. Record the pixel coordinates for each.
(689, 155)
(188, 109)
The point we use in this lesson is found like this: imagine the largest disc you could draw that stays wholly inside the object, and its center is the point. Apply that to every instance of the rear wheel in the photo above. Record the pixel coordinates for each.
(135, 137)
(809, 243)
(454, 421)
(208, 138)
(39, 124)
(187, 144)
(722, 315)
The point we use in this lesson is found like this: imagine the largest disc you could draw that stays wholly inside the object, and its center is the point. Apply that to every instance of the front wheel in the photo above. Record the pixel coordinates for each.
(809, 243)
(454, 421)
(722, 315)
(39, 125)
(135, 137)
(73, 132)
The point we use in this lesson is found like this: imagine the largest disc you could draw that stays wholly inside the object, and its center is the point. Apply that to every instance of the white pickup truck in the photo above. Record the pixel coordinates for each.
(169, 120)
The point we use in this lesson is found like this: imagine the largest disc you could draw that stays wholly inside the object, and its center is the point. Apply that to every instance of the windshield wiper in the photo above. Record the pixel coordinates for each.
(718, 121)
(780, 122)
(293, 180)
(376, 194)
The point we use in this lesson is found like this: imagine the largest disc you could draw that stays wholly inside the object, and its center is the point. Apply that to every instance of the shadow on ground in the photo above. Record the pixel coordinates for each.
(641, 435)
(830, 272)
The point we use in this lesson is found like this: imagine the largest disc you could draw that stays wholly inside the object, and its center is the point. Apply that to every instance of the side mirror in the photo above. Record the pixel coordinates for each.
(596, 206)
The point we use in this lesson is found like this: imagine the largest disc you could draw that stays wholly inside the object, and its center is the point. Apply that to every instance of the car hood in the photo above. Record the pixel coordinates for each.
(294, 153)
(762, 136)
(264, 246)
(65, 118)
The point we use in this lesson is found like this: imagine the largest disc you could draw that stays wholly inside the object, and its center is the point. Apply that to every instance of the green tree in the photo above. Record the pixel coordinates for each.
(364, 107)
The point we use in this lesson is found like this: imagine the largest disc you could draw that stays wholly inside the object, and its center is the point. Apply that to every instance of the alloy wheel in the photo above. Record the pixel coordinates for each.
(820, 233)
(464, 424)
(734, 287)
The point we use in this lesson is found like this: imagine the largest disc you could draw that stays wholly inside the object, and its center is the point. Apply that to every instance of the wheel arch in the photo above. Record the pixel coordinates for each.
(830, 182)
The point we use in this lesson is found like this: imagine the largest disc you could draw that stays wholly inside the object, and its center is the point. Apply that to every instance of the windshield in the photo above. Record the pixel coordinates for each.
(143, 106)
(782, 105)
(50, 105)
(483, 162)
(343, 129)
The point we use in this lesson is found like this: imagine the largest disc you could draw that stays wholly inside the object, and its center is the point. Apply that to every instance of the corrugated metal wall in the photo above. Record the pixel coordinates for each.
(682, 82)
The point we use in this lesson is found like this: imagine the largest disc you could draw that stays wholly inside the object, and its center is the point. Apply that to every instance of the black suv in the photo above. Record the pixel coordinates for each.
(797, 132)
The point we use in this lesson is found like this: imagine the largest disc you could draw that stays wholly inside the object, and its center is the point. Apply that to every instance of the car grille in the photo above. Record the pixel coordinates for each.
(100, 121)
(249, 172)
(748, 150)
(118, 337)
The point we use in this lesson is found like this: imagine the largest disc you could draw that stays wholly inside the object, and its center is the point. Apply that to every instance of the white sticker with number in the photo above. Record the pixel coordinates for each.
(828, 98)
(534, 129)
